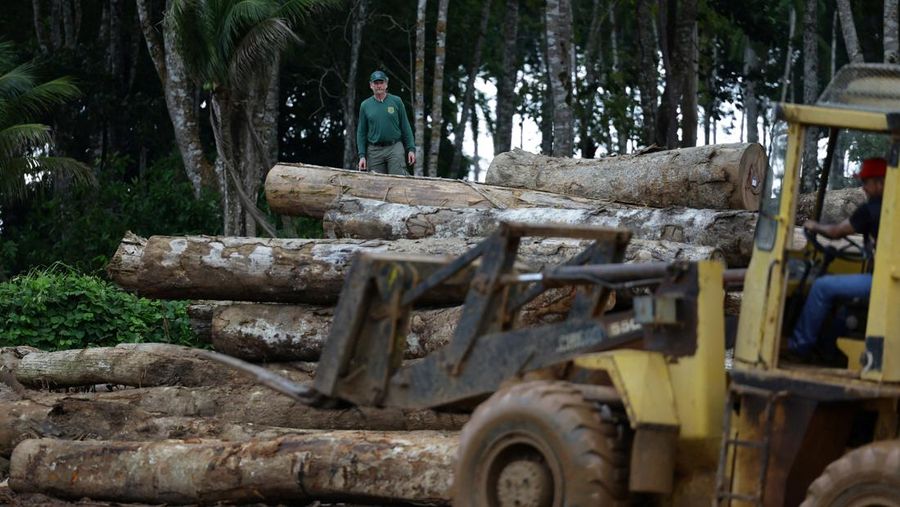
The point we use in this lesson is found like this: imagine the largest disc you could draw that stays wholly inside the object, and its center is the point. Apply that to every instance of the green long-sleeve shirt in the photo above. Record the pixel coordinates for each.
(383, 122)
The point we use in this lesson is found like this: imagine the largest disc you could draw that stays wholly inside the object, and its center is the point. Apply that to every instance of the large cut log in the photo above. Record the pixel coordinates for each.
(726, 176)
(249, 404)
(697, 233)
(137, 365)
(838, 205)
(405, 467)
(308, 271)
(272, 332)
(83, 419)
(308, 190)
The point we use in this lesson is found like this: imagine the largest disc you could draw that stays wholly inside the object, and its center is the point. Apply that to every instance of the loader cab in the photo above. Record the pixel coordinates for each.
(786, 259)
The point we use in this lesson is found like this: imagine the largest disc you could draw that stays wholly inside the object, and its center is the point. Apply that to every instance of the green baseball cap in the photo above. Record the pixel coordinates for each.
(378, 76)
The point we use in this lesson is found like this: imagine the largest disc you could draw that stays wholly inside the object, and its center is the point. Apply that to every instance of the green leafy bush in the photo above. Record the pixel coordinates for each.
(58, 308)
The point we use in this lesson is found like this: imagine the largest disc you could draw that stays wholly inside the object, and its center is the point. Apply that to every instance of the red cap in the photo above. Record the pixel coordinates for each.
(873, 168)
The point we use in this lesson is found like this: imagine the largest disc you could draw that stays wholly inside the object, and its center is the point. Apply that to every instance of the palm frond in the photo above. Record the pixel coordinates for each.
(17, 80)
(41, 98)
(18, 174)
(259, 49)
(7, 55)
(298, 10)
(22, 137)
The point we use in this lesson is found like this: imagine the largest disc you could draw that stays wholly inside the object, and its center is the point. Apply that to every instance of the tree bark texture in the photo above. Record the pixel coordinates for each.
(437, 88)
(726, 233)
(810, 93)
(410, 467)
(648, 76)
(180, 95)
(587, 88)
(136, 365)
(351, 109)
(299, 189)
(506, 82)
(84, 419)
(278, 270)
(725, 176)
(848, 29)
(265, 332)
(559, 68)
(891, 39)
(419, 106)
(688, 56)
(751, 105)
(246, 404)
(788, 54)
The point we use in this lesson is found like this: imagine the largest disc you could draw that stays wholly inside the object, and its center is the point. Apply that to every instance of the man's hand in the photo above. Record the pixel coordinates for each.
(362, 163)
(811, 225)
(410, 158)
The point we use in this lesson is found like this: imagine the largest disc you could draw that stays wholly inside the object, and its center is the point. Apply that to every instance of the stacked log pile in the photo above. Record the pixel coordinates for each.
(214, 436)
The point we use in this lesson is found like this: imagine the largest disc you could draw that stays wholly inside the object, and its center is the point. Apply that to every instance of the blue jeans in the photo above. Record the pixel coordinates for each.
(825, 290)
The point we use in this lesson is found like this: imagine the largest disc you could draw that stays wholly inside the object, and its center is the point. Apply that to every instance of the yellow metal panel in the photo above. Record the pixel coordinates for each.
(884, 306)
(834, 117)
(642, 379)
(759, 326)
(698, 381)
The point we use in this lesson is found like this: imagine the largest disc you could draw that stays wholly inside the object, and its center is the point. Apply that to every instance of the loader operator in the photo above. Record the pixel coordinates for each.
(384, 131)
(828, 289)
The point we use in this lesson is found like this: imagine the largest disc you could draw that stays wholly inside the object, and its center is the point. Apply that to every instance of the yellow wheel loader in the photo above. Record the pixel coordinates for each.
(634, 406)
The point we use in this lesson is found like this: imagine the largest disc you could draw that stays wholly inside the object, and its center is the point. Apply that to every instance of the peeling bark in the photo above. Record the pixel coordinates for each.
(411, 467)
(307, 190)
(730, 232)
(725, 176)
(273, 270)
(138, 365)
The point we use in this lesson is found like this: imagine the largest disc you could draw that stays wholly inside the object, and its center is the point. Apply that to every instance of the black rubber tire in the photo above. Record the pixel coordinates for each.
(867, 476)
(542, 420)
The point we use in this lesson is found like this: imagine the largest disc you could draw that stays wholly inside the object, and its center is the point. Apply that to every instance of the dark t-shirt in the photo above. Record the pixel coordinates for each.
(865, 219)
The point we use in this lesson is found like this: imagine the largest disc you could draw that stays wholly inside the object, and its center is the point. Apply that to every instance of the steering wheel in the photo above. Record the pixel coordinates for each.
(852, 251)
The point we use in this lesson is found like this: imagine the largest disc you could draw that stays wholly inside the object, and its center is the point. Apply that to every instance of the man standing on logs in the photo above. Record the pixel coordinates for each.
(383, 131)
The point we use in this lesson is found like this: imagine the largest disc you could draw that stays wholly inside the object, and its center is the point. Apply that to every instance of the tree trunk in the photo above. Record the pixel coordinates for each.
(264, 270)
(261, 332)
(688, 56)
(437, 90)
(459, 133)
(788, 54)
(559, 67)
(228, 403)
(751, 64)
(667, 117)
(351, 109)
(587, 89)
(138, 365)
(419, 106)
(506, 82)
(362, 219)
(40, 29)
(717, 176)
(848, 28)
(309, 190)
(180, 94)
(647, 76)
(79, 419)
(810, 94)
(404, 467)
(891, 40)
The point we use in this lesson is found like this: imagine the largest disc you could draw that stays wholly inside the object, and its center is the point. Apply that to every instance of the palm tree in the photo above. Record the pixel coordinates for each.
(23, 142)
(232, 49)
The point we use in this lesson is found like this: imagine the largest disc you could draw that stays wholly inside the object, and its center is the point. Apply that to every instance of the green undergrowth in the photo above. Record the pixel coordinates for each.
(58, 308)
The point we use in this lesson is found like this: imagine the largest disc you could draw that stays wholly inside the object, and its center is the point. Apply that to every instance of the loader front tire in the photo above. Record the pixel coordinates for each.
(869, 475)
(540, 444)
